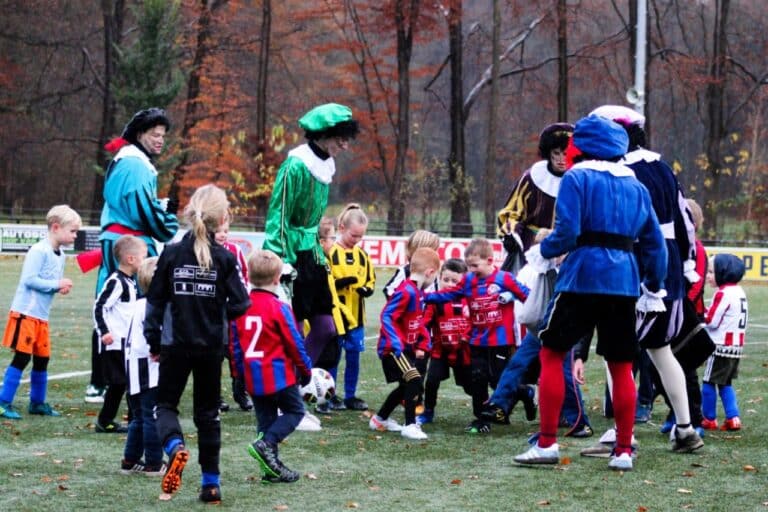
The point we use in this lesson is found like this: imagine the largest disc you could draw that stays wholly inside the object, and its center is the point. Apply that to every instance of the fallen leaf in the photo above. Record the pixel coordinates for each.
(165, 497)
(46, 479)
(455, 481)
(63, 487)
(474, 477)
(697, 465)
(57, 461)
(649, 482)
(39, 454)
(91, 413)
(749, 468)
(374, 488)
(685, 491)
(642, 509)
(63, 478)
(543, 502)
(311, 476)
(281, 507)
(565, 461)
(689, 473)
(353, 504)
(17, 474)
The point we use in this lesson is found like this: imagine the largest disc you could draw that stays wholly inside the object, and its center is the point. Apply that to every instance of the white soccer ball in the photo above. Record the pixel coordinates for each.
(320, 388)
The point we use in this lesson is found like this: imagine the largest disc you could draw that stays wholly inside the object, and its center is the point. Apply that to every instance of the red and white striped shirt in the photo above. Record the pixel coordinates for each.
(726, 320)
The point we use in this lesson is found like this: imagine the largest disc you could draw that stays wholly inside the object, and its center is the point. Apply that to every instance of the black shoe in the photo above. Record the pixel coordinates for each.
(356, 404)
(287, 476)
(337, 404)
(495, 414)
(211, 494)
(110, 428)
(529, 403)
(266, 454)
(324, 408)
(223, 406)
(580, 432)
(240, 396)
(478, 427)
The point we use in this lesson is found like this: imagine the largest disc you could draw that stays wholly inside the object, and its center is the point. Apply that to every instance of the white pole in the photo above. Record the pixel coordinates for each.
(642, 10)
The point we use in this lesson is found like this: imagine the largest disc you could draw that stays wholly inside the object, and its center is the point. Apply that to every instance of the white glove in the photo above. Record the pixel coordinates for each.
(538, 262)
(289, 271)
(506, 297)
(689, 271)
(164, 203)
(651, 302)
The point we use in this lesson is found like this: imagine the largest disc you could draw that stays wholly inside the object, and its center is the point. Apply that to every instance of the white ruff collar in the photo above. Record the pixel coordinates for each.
(130, 150)
(640, 154)
(616, 169)
(322, 170)
(545, 180)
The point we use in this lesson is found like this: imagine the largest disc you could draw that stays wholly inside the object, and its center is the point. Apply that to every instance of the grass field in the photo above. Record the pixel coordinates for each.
(61, 464)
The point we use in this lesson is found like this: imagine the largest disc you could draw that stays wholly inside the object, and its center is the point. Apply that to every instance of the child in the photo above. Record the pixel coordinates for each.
(141, 374)
(492, 339)
(26, 332)
(402, 341)
(112, 313)
(273, 356)
(238, 384)
(726, 322)
(419, 238)
(696, 290)
(449, 325)
(200, 281)
(354, 280)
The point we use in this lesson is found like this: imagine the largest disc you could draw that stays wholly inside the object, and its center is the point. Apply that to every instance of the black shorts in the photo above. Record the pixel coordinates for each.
(311, 294)
(720, 370)
(571, 316)
(440, 370)
(113, 363)
(663, 327)
(400, 368)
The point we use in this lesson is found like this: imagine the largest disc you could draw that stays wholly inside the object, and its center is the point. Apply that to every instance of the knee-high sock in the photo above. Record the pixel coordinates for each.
(38, 386)
(624, 400)
(728, 396)
(673, 380)
(351, 373)
(709, 401)
(551, 394)
(11, 381)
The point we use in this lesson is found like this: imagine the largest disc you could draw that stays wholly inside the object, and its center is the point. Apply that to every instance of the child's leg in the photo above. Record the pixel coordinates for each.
(730, 404)
(480, 377)
(265, 409)
(435, 372)
(290, 403)
(351, 372)
(153, 452)
(134, 442)
(206, 374)
(393, 400)
(12, 377)
(322, 331)
(38, 380)
(114, 366)
(552, 394)
(411, 391)
(708, 401)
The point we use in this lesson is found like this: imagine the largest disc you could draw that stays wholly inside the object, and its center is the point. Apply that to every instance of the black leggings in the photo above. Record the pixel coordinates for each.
(21, 360)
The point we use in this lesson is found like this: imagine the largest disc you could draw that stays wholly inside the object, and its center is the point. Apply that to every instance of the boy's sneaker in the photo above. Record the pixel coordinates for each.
(223, 406)
(43, 409)
(94, 395)
(309, 423)
(687, 444)
(709, 424)
(537, 455)
(324, 408)
(172, 477)
(211, 494)
(642, 414)
(131, 468)
(669, 424)
(732, 424)
(580, 432)
(7, 411)
(155, 469)
(384, 425)
(266, 455)
(495, 414)
(478, 427)
(529, 403)
(414, 432)
(337, 404)
(356, 404)
(621, 462)
(110, 428)
(428, 416)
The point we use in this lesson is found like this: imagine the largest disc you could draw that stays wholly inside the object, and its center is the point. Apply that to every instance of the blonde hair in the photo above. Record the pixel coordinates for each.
(324, 228)
(423, 259)
(696, 213)
(145, 273)
(479, 247)
(421, 238)
(63, 215)
(263, 267)
(352, 214)
(207, 209)
(127, 244)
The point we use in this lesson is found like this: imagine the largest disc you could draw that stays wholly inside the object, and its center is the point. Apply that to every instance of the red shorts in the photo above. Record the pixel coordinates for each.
(27, 335)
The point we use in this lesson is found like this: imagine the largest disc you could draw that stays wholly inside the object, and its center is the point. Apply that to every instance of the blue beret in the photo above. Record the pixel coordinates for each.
(600, 137)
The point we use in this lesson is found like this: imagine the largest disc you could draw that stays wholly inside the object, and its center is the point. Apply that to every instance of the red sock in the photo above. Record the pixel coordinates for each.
(551, 394)
(624, 398)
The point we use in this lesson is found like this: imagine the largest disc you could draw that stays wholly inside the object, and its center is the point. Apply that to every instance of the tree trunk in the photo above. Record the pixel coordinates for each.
(562, 63)
(490, 154)
(461, 224)
(261, 79)
(715, 116)
(112, 14)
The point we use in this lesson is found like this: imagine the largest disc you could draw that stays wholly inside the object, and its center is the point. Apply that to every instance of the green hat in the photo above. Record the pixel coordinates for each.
(324, 117)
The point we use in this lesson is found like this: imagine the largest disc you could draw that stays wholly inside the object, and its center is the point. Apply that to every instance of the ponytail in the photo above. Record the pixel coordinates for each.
(352, 213)
(206, 210)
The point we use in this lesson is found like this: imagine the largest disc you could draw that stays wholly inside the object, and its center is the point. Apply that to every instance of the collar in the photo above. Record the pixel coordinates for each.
(616, 169)
(131, 151)
(322, 170)
(640, 154)
(546, 180)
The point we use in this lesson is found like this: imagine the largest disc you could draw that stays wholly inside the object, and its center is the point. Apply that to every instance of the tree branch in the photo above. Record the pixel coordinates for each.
(96, 76)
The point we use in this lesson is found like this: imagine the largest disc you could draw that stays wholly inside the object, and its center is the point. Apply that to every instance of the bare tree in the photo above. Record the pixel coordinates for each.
(263, 75)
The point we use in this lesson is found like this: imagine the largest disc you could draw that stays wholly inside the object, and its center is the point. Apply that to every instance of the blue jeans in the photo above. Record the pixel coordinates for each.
(276, 428)
(526, 355)
(142, 433)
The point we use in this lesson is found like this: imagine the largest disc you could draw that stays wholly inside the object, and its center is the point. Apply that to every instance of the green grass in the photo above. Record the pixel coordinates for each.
(61, 464)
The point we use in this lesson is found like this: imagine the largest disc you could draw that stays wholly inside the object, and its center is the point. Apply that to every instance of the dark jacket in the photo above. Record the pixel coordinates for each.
(201, 302)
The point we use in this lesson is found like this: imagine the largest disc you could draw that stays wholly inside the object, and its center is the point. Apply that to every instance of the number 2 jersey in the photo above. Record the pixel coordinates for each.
(272, 353)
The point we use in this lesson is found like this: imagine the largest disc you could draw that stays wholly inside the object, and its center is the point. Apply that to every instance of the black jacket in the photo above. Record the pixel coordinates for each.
(201, 302)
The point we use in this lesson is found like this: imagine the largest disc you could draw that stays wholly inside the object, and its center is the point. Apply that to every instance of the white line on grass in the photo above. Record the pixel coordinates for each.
(60, 376)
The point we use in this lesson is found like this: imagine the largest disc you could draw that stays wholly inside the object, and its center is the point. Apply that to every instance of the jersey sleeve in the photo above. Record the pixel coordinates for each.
(107, 298)
(509, 218)
(281, 207)
(717, 310)
(510, 284)
(30, 273)
(294, 341)
(393, 309)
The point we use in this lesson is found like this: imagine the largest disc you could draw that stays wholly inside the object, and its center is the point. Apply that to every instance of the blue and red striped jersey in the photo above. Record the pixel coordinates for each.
(450, 328)
(271, 346)
(493, 323)
(402, 322)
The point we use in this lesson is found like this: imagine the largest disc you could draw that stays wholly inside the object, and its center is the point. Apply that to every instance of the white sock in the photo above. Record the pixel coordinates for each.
(673, 380)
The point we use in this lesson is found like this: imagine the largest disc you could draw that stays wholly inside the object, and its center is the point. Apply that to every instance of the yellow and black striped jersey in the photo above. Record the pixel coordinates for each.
(354, 278)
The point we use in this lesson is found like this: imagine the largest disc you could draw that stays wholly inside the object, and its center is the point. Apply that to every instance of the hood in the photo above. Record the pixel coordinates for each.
(729, 269)
(600, 137)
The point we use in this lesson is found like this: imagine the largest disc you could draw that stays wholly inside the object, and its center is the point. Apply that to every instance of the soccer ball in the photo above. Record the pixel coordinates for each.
(320, 388)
